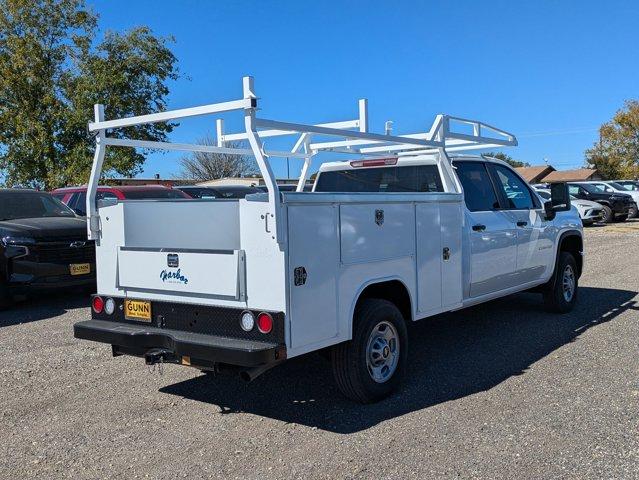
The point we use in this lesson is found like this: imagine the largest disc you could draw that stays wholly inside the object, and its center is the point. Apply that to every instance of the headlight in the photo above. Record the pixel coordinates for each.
(9, 240)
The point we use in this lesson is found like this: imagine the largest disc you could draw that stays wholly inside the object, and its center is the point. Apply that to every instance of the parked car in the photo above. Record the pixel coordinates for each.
(76, 197)
(632, 185)
(589, 212)
(615, 187)
(616, 206)
(221, 191)
(43, 245)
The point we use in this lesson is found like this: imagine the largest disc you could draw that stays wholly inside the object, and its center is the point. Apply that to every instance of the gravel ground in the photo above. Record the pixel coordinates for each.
(503, 390)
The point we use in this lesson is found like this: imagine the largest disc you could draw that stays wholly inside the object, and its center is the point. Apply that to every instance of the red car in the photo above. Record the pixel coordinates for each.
(76, 197)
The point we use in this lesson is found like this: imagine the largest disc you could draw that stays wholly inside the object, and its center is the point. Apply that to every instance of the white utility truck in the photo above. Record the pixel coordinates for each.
(407, 229)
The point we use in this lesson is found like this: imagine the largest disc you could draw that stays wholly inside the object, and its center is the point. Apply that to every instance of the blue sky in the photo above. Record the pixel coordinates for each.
(549, 71)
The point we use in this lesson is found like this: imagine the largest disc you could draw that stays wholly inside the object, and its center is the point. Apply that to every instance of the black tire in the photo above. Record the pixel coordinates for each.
(587, 223)
(633, 212)
(349, 359)
(607, 216)
(554, 295)
(621, 218)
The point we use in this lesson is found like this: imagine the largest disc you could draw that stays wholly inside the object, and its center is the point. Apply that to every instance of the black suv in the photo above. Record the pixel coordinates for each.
(616, 206)
(43, 245)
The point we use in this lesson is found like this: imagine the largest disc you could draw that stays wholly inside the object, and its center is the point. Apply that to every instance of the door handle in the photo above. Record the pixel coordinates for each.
(522, 224)
(479, 227)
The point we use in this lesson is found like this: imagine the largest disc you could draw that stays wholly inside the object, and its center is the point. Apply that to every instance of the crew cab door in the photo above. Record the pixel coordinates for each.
(535, 252)
(491, 232)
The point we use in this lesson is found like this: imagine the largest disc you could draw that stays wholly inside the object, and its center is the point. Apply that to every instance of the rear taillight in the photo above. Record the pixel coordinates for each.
(264, 322)
(378, 162)
(98, 304)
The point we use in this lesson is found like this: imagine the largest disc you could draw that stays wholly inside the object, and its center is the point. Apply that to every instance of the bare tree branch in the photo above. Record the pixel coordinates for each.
(203, 166)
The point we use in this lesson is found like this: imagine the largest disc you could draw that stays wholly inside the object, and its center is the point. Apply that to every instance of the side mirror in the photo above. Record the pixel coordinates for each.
(559, 200)
(560, 197)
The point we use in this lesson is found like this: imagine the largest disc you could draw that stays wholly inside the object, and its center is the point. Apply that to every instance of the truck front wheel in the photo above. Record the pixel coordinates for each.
(372, 365)
(561, 293)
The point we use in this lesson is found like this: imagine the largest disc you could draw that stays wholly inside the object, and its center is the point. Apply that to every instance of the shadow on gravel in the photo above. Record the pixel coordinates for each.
(451, 356)
(45, 306)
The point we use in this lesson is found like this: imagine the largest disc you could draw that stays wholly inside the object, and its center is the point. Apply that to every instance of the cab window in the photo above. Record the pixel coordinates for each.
(602, 188)
(421, 178)
(479, 192)
(515, 192)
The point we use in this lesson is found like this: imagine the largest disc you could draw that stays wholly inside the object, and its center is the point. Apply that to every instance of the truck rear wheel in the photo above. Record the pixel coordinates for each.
(561, 294)
(372, 365)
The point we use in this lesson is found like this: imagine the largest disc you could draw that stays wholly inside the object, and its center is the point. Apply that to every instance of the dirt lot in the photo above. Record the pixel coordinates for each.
(503, 390)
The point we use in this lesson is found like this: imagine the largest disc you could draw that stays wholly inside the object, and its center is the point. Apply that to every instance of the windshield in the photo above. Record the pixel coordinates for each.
(15, 205)
(616, 185)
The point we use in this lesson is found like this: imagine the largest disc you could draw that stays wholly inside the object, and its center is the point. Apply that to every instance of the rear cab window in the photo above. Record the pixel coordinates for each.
(410, 178)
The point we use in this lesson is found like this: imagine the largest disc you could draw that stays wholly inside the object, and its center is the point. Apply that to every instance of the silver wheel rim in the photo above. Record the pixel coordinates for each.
(568, 283)
(382, 352)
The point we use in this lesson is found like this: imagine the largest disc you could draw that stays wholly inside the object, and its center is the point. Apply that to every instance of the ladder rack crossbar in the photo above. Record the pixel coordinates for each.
(350, 136)
(188, 147)
(173, 114)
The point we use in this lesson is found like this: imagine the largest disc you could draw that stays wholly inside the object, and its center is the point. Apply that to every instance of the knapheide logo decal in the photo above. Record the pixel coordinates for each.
(168, 276)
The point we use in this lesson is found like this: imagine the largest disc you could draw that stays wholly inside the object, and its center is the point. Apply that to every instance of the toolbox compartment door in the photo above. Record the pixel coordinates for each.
(218, 273)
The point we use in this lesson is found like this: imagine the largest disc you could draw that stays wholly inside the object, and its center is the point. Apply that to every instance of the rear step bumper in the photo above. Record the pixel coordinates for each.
(139, 340)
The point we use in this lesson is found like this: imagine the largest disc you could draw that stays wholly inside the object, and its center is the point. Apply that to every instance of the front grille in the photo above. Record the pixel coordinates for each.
(63, 252)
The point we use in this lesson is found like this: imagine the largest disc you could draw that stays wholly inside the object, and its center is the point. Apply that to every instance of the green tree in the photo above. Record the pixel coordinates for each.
(616, 153)
(508, 159)
(52, 71)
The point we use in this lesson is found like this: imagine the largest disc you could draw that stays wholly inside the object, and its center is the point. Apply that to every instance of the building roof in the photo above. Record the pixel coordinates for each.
(167, 182)
(229, 181)
(572, 175)
(535, 173)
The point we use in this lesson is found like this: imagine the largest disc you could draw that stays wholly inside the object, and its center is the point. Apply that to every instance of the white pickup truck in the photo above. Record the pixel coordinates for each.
(407, 229)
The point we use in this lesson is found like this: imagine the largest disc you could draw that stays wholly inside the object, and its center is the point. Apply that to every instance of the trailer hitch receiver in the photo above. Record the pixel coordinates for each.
(156, 355)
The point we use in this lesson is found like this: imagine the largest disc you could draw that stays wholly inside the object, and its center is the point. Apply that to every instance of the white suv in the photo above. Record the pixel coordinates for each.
(589, 212)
